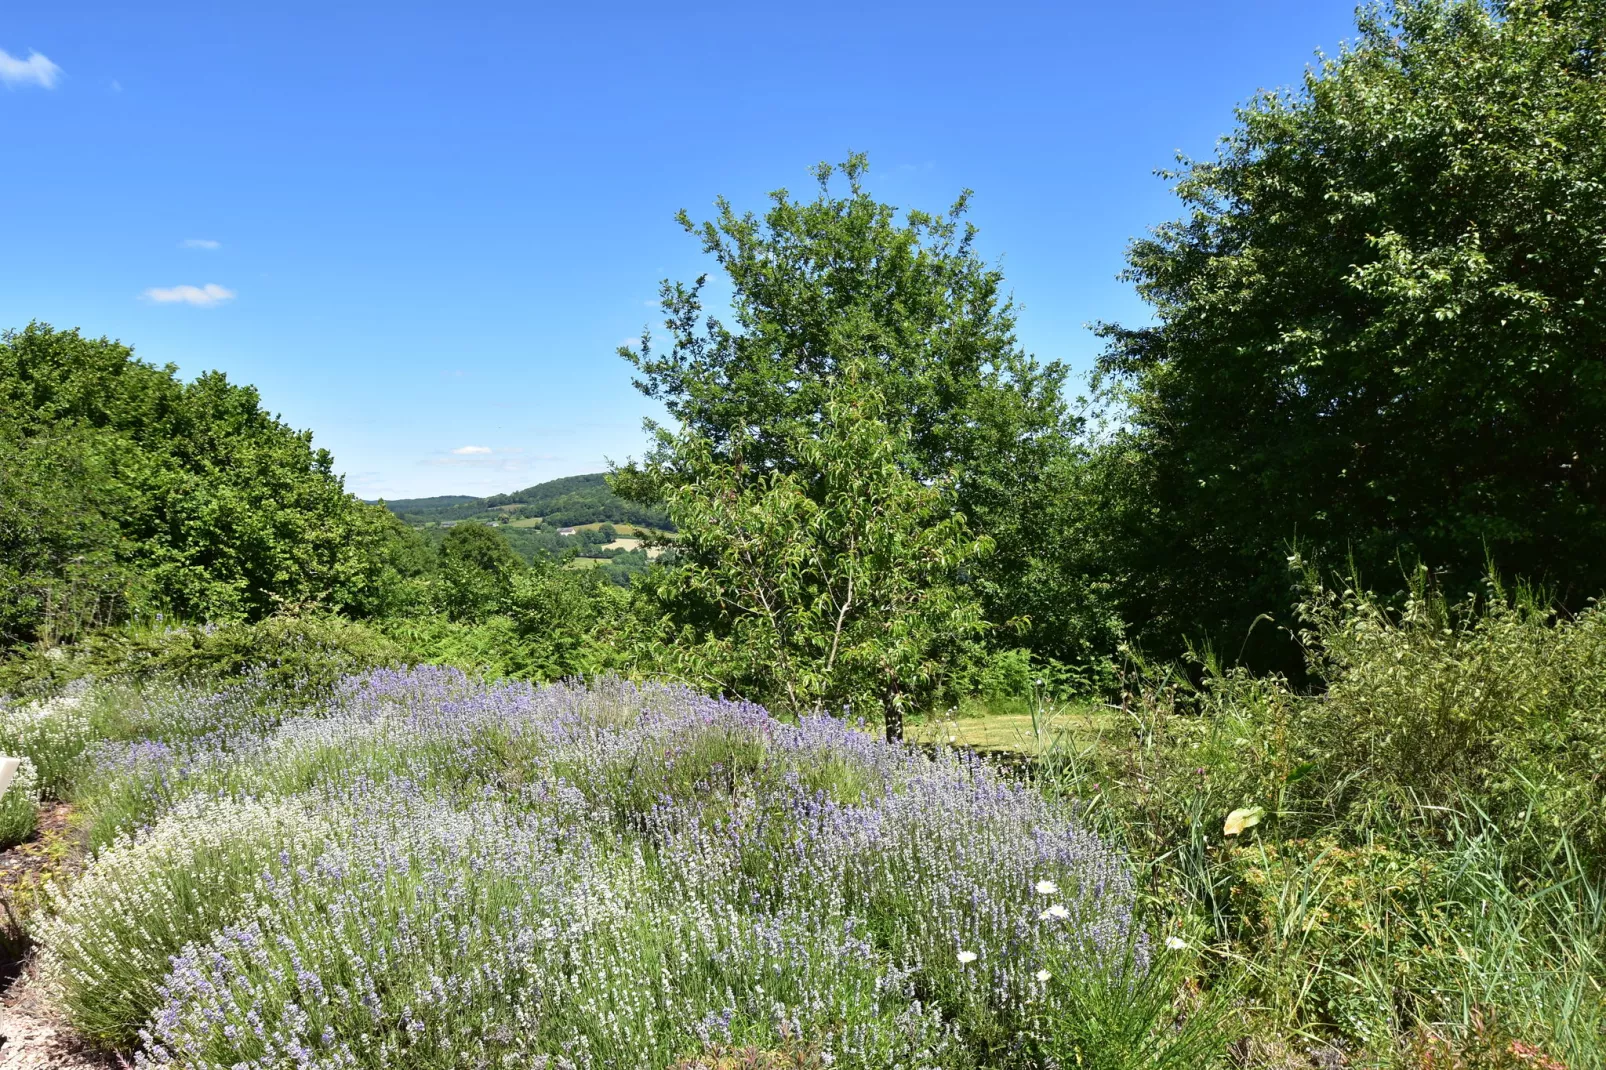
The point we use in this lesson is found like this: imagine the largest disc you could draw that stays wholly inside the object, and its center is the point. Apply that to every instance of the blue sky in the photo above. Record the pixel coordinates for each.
(422, 229)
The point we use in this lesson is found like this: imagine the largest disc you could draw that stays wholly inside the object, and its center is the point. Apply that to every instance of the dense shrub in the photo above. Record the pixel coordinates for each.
(1430, 821)
(1496, 705)
(1489, 711)
(1492, 711)
(542, 623)
(306, 653)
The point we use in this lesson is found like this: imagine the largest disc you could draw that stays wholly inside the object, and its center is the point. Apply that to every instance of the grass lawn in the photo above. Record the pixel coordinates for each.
(989, 730)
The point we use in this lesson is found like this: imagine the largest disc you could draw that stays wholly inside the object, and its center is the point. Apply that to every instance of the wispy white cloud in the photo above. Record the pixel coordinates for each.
(499, 464)
(487, 458)
(117, 87)
(200, 243)
(201, 296)
(35, 70)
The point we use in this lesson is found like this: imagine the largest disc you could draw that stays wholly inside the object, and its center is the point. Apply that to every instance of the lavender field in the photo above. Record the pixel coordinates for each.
(431, 871)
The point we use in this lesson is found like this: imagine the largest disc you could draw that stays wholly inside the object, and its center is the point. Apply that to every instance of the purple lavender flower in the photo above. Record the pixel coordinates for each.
(606, 876)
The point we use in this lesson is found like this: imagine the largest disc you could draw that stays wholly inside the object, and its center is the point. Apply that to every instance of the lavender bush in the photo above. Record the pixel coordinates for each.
(52, 733)
(435, 872)
(19, 805)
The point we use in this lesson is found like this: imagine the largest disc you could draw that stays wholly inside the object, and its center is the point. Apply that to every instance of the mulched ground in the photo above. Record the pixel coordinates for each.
(32, 1036)
(53, 844)
(57, 845)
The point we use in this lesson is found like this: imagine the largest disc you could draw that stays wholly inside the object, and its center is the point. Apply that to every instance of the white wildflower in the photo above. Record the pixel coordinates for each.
(1047, 887)
(966, 958)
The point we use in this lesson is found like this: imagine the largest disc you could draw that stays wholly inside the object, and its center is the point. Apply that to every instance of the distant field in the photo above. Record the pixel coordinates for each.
(628, 531)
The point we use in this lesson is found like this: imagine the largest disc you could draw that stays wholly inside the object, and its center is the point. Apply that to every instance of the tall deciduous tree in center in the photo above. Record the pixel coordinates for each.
(841, 281)
(830, 585)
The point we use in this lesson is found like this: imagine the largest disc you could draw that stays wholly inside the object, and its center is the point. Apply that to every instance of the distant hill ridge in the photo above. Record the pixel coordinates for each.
(429, 505)
(583, 499)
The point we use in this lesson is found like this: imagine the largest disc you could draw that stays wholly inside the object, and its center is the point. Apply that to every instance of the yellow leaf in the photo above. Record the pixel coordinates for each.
(1239, 820)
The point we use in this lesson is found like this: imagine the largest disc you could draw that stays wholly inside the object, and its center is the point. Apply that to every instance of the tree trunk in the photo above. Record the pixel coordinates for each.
(892, 714)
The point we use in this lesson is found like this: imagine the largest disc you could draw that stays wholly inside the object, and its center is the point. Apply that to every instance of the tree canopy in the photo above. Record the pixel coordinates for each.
(832, 585)
(1379, 327)
(126, 488)
(842, 281)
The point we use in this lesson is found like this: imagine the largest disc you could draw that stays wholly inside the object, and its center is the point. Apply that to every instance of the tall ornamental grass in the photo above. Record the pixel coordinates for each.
(1417, 861)
(433, 872)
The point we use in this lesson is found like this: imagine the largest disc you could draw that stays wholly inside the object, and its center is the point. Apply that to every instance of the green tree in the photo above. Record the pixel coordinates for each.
(568, 622)
(840, 281)
(477, 570)
(222, 510)
(1379, 326)
(64, 567)
(830, 582)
